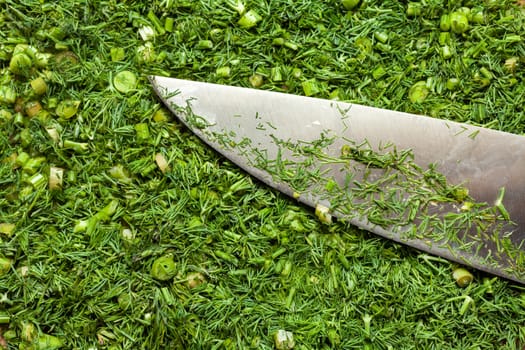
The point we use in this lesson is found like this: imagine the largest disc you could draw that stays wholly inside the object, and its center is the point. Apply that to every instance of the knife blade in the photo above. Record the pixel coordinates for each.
(450, 189)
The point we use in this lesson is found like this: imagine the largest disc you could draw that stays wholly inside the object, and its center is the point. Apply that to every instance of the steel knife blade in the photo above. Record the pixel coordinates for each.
(450, 189)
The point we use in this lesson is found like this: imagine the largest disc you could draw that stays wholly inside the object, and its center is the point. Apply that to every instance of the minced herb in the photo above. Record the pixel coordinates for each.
(383, 191)
(99, 185)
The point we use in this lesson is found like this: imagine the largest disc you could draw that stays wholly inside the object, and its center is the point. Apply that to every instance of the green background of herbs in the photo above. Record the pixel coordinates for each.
(267, 263)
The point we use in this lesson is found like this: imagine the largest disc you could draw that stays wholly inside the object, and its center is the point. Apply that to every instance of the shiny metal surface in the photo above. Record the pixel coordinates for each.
(481, 159)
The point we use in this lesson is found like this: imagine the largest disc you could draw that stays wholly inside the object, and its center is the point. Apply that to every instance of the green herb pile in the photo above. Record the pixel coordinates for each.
(119, 229)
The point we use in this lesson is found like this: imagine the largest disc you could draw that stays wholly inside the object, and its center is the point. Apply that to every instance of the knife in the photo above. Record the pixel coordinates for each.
(450, 189)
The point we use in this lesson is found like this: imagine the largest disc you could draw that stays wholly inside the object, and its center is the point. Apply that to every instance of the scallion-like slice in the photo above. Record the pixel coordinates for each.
(350, 4)
(79, 147)
(143, 134)
(32, 108)
(5, 265)
(20, 64)
(56, 176)
(323, 213)
(39, 86)
(418, 92)
(284, 340)
(7, 94)
(164, 268)
(7, 228)
(249, 19)
(67, 108)
(162, 163)
(462, 277)
(223, 72)
(458, 22)
(256, 80)
(125, 81)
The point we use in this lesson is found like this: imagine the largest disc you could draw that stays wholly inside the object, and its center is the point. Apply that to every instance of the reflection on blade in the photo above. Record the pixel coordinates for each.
(450, 189)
